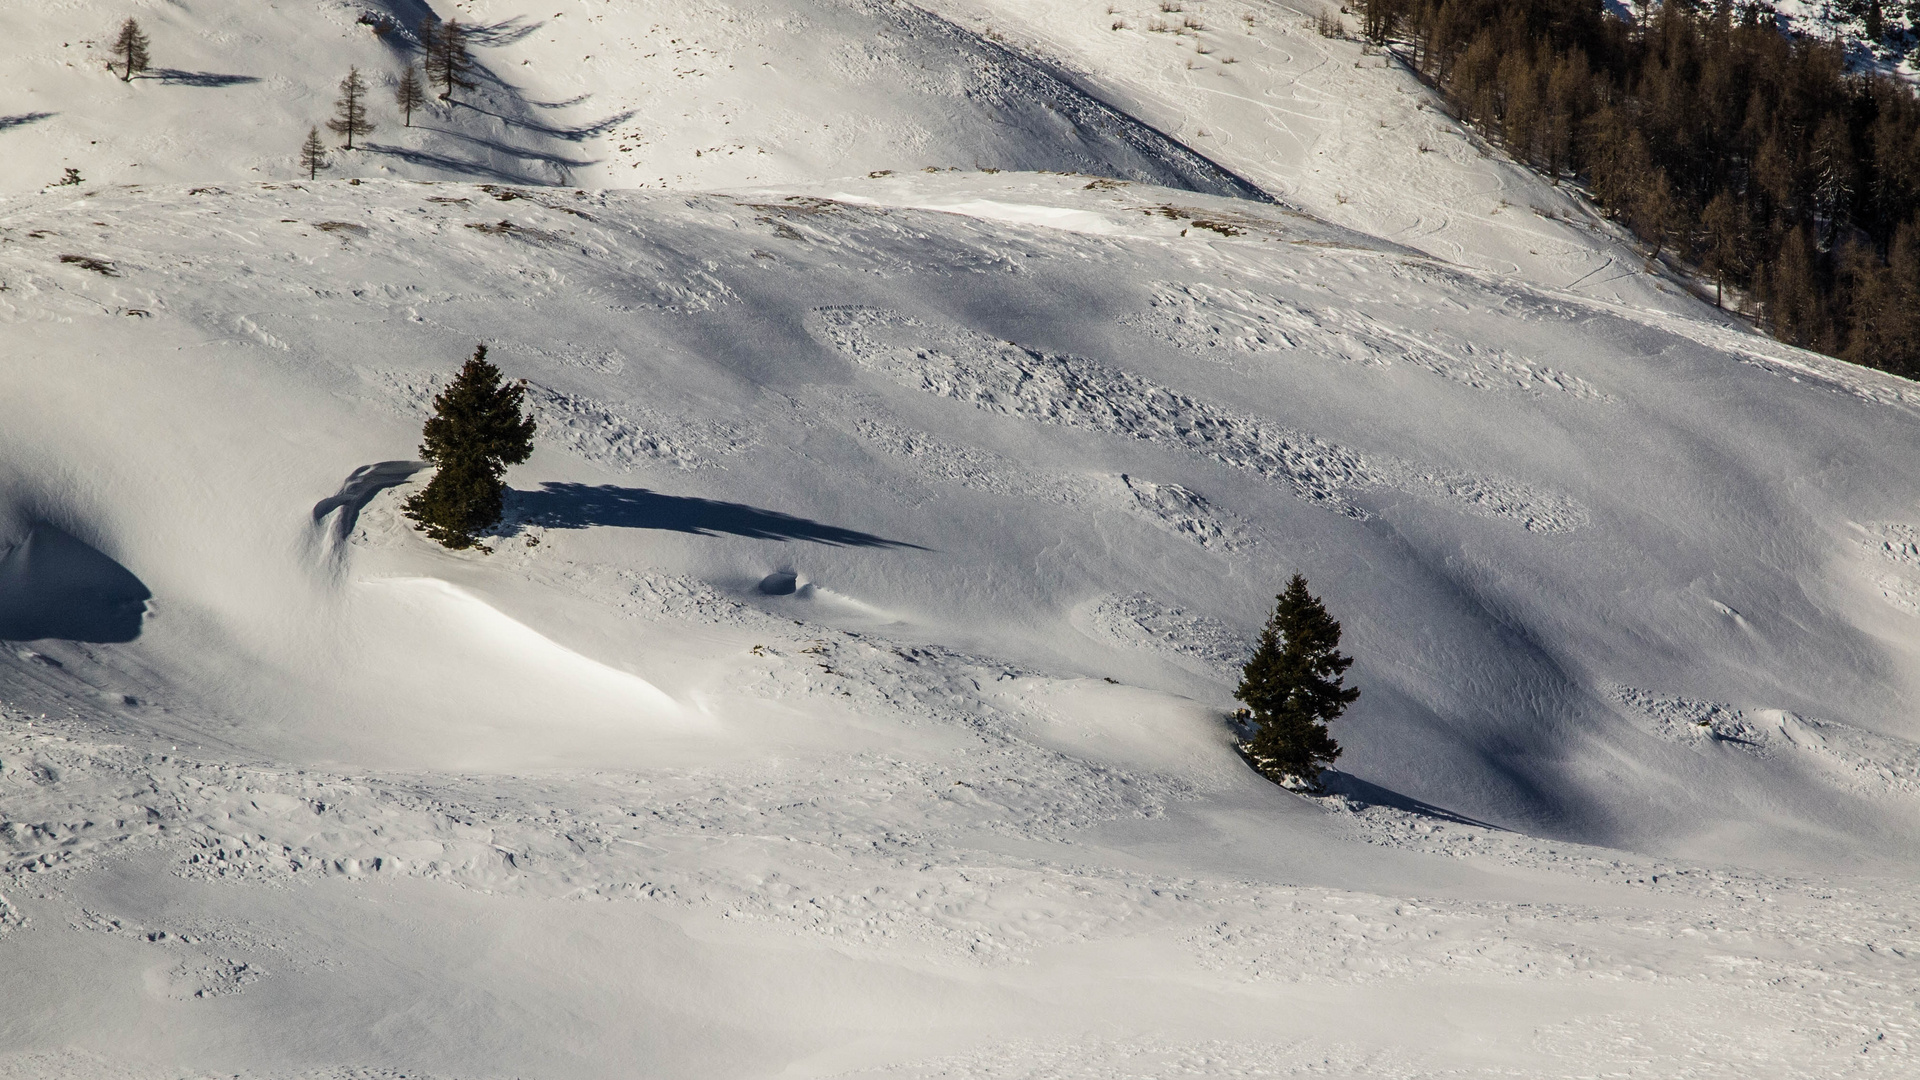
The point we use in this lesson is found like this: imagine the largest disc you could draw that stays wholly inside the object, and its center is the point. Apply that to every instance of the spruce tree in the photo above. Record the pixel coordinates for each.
(130, 48)
(476, 431)
(350, 116)
(408, 96)
(313, 154)
(1293, 687)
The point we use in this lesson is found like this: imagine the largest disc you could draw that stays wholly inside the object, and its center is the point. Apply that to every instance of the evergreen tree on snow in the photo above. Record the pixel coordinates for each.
(476, 431)
(130, 49)
(408, 96)
(313, 154)
(350, 110)
(1293, 687)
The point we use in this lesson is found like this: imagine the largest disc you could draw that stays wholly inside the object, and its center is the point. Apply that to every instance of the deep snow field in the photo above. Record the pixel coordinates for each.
(931, 401)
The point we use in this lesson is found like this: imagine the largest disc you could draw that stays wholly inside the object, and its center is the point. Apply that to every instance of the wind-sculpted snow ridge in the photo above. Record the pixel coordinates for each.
(1216, 322)
(1050, 388)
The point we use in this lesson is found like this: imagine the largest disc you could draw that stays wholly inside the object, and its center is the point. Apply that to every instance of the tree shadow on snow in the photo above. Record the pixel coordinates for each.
(176, 77)
(454, 164)
(577, 99)
(580, 506)
(509, 149)
(505, 32)
(55, 585)
(571, 134)
(1360, 791)
(22, 119)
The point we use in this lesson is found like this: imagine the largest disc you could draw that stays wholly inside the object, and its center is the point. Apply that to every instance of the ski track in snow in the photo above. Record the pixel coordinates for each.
(1000, 376)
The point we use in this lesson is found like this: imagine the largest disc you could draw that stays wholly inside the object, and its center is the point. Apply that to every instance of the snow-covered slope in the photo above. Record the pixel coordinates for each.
(846, 692)
(633, 93)
(1333, 126)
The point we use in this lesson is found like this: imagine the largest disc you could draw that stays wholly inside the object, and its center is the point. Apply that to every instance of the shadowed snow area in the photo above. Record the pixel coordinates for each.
(52, 585)
(846, 692)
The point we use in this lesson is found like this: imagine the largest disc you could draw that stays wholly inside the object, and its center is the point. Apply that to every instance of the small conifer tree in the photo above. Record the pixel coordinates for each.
(350, 110)
(408, 96)
(476, 431)
(130, 49)
(313, 154)
(1293, 688)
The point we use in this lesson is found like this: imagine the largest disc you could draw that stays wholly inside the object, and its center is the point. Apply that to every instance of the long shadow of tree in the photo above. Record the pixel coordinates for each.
(402, 36)
(1366, 793)
(22, 119)
(571, 134)
(580, 506)
(208, 79)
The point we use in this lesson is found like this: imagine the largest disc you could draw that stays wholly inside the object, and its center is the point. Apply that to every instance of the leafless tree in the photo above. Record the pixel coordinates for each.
(350, 111)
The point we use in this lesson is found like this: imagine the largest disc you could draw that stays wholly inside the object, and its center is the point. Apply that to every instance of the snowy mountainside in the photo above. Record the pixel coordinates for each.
(847, 691)
(1333, 126)
(627, 93)
(900, 406)
(858, 647)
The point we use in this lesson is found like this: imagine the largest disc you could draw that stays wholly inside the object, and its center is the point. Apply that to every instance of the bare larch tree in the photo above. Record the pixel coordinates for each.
(350, 111)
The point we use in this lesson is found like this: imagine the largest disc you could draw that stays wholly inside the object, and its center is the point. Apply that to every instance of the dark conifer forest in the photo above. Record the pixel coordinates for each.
(1788, 179)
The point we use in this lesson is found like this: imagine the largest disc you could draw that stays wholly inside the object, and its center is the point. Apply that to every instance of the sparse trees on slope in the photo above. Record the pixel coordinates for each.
(1293, 687)
(476, 431)
(408, 96)
(130, 49)
(313, 154)
(350, 110)
(447, 59)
